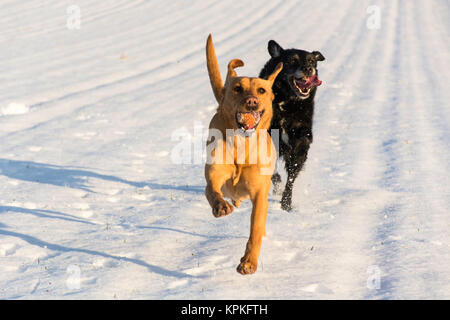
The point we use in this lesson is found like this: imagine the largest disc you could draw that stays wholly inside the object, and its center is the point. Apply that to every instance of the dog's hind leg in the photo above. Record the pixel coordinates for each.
(294, 161)
(286, 199)
(293, 167)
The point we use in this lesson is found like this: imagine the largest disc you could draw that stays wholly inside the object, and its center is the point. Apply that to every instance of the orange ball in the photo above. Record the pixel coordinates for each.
(248, 120)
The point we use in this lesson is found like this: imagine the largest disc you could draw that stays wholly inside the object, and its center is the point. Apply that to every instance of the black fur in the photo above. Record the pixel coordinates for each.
(293, 111)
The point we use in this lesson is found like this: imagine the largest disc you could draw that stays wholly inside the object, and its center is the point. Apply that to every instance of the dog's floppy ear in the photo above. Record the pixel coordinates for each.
(213, 70)
(274, 74)
(235, 63)
(274, 48)
(318, 56)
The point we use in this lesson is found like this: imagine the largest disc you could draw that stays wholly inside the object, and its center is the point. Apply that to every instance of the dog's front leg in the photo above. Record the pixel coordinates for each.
(216, 176)
(294, 164)
(249, 262)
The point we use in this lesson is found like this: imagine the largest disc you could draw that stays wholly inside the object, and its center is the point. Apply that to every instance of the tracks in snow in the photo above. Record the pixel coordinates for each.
(104, 102)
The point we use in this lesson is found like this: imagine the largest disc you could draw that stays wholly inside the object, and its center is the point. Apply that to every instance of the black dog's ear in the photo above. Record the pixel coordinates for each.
(318, 56)
(274, 48)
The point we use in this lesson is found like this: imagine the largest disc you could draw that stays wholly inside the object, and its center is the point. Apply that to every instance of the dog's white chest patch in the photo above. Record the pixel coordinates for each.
(285, 137)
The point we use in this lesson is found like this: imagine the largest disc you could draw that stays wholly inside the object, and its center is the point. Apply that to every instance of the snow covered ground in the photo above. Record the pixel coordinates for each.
(92, 206)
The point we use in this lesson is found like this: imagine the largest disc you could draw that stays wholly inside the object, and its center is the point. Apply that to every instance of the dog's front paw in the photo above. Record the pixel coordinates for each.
(277, 191)
(276, 181)
(286, 206)
(286, 203)
(247, 266)
(222, 208)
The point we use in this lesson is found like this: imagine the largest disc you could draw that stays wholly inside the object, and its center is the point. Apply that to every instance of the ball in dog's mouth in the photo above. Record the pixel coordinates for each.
(305, 84)
(248, 121)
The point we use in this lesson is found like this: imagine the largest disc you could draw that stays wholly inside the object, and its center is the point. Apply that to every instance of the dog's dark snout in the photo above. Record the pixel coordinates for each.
(251, 102)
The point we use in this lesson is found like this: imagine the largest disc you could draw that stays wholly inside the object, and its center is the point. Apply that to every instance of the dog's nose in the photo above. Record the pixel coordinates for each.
(251, 102)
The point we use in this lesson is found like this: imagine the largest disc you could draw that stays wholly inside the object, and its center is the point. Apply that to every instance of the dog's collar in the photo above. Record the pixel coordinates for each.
(292, 106)
(281, 104)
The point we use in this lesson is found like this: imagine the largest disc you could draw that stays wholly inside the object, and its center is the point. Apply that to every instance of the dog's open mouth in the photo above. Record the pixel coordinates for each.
(305, 84)
(248, 121)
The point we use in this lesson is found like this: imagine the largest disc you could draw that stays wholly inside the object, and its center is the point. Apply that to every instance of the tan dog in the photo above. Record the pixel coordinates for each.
(240, 167)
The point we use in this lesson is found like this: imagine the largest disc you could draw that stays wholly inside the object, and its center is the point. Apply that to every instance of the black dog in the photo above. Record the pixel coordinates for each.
(293, 108)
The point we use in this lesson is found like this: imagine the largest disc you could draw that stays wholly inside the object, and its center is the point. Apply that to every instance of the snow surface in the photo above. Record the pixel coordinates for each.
(92, 206)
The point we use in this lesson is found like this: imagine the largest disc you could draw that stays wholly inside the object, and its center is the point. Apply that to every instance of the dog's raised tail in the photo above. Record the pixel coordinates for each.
(213, 70)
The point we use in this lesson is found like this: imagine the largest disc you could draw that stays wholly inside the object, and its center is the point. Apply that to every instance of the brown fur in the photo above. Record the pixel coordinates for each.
(246, 179)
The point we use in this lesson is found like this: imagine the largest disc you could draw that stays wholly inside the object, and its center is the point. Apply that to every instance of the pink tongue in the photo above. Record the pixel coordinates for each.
(313, 81)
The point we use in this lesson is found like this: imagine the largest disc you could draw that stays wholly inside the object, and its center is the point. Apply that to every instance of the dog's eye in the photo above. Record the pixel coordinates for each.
(237, 89)
(261, 90)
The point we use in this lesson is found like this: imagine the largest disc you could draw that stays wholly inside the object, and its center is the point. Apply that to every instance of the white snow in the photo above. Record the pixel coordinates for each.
(92, 206)
(13, 108)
